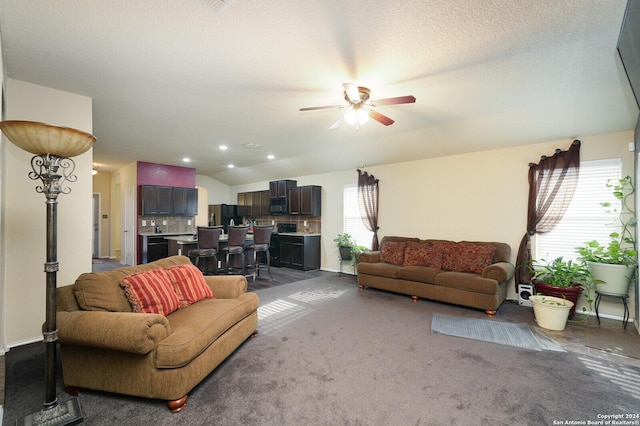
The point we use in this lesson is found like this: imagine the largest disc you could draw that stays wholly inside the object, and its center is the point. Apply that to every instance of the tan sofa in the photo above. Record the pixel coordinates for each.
(107, 347)
(440, 273)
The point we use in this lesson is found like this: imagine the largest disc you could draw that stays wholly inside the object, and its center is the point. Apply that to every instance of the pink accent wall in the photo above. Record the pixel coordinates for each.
(162, 174)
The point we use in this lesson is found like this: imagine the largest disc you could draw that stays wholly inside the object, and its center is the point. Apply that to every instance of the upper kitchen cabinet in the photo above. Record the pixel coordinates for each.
(167, 201)
(280, 188)
(185, 201)
(155, 200)
(306, 200)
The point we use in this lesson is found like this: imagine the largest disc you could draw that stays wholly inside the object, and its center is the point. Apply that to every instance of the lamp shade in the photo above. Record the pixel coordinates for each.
(40, 138)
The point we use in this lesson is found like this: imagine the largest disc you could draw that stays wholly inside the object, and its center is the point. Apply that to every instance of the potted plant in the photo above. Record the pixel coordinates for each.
(551, 312)
(345, 245)
(355, 251)
(563, 279)
(613, 266)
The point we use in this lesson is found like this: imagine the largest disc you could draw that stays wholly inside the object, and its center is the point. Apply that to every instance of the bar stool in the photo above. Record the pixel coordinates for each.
(236, 242)
(261, 244)
(208, 241)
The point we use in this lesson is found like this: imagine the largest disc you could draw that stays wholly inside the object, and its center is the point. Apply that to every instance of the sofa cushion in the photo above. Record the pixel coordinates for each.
(151, 292)
(393, 252)
(199, 325)
(422, 254)
(473, 258)
(466, 281)
(189, 284)
(380, 269)
(421, 274)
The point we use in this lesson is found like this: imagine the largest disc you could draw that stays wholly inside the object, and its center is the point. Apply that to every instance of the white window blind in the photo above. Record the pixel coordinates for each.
(585, 219)
(352, 223)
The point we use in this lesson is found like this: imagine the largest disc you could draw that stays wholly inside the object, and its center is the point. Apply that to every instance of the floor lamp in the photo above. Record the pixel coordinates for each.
(53, 146)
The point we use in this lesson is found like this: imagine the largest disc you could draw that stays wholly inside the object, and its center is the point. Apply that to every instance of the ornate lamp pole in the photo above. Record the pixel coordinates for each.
(53, 146)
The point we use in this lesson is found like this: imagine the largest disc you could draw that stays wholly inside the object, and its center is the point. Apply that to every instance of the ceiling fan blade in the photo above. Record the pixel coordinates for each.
(337, 123)
(321, 107)
(352, 92)
(381, 118)
(394, 101)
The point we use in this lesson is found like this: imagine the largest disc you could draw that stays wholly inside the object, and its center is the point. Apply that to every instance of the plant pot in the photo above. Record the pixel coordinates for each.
(345, 252)
(572, 293)
(611, 279)
(551, 312)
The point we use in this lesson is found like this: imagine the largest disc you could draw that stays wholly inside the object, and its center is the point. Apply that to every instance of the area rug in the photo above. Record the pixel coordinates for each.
(494, 331)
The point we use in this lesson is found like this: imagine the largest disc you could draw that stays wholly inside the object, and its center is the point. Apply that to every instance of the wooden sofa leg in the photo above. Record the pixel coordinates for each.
(415, 298)
(254, 334)
(360, 286)
(72, 390)
(490, 314)
(177, 405)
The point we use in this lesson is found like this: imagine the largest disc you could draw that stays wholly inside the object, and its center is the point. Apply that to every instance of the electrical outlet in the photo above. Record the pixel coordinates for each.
(304, 223)
(153, 223)
(144, 223)
(164, 222)
(188, 222)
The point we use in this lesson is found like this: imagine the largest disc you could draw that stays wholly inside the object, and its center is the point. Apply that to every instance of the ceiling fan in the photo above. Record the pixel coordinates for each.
(360, 108)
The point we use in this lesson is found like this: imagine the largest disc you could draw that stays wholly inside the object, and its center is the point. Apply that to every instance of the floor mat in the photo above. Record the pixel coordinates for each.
(504, 333)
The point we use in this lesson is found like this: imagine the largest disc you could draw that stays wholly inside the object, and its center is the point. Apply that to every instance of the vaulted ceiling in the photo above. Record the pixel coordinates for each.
(178, 78)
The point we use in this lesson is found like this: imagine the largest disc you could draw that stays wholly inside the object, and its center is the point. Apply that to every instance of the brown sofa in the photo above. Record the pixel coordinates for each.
(107, 347)
(440, 270)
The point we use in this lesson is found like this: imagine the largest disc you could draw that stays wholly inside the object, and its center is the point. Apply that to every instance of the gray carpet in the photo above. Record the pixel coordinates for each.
(329, 354)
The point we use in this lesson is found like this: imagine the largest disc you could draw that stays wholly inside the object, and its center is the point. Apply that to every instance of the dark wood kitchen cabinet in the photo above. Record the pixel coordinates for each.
(185, 201)
(280, 188)
(300, 252)
(155, 200)
(306, 200)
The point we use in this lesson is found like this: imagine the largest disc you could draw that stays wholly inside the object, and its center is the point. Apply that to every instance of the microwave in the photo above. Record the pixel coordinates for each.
(278, 206)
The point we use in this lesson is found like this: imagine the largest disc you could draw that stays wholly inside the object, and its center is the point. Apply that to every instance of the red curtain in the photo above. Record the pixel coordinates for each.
(368, 199)
(552, 183)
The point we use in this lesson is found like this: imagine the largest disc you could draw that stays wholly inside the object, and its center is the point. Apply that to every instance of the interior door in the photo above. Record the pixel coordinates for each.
(129, 226)
(96, 227)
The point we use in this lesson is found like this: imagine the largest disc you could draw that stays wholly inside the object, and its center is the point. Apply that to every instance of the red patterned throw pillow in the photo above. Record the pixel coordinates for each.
(449, 253)
(151, 292)
(393, 252)
(189, 284)
(474, 257)
(422, 254)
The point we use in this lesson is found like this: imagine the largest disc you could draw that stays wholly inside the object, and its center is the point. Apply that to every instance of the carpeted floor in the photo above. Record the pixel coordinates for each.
(330, 354)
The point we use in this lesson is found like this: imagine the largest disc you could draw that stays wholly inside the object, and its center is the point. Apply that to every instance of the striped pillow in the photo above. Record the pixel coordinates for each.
(151, 292)
(190, 285)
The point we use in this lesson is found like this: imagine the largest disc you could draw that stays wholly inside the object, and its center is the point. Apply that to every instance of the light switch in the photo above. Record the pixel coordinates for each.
(164, 222)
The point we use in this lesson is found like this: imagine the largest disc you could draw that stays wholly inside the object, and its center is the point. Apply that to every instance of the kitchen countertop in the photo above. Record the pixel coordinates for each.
(164, 234)
(298, 234)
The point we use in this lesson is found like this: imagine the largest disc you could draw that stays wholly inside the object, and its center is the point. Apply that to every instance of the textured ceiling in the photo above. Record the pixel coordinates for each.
(175, 78)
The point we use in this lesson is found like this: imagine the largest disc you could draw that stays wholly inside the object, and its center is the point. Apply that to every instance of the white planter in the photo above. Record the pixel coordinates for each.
(551, 312)
(611, 279)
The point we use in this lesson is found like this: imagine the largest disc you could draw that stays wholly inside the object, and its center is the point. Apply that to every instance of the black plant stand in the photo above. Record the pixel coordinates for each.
(624, 297)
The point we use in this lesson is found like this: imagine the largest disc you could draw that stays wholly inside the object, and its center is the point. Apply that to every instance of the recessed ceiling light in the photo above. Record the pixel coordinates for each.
(271, 156)
(223, 147)
(231, 166)
(186, 159)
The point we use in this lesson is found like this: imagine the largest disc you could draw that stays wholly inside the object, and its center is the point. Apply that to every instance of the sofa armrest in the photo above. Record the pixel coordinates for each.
(227, 286)
(119, 331)
(500, 271)
(369, 257)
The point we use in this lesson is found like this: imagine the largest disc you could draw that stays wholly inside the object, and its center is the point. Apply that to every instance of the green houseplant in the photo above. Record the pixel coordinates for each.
(613, 265)
(345, 245)
(564, 279)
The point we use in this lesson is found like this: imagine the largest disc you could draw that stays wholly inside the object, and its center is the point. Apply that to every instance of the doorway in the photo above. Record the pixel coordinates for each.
(95, 234)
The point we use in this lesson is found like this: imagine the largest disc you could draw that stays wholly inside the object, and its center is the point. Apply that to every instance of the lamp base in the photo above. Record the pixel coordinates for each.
(67, 413)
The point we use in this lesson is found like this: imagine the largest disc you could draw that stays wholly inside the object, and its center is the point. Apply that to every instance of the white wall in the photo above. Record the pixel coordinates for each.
(24, 212)
(476, 196)
(218, 192)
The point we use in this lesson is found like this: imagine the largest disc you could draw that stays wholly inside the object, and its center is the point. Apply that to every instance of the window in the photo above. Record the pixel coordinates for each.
(585, 219)
(352, 222)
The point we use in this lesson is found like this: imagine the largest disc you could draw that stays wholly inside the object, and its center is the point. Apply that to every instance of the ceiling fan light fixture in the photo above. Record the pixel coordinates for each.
(356, 115)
